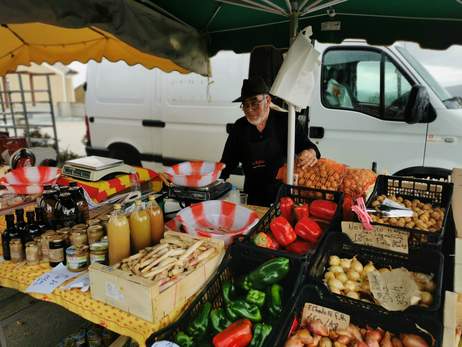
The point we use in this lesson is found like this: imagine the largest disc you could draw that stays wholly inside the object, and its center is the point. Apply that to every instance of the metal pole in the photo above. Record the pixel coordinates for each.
(291, 119)
(50, 99)
(24, 109)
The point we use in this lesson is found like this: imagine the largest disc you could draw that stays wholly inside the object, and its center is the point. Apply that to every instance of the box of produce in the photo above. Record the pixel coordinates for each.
(417, 206)
(316, 320)
(158, 279)
(297, 222)
(245, 304)
(410, 282)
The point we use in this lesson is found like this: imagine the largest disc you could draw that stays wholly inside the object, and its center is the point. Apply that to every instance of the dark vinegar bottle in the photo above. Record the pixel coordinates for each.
(9, 234)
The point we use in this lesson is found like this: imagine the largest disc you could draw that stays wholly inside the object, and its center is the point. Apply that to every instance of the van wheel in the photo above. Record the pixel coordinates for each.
(125, 152)
(425, 172)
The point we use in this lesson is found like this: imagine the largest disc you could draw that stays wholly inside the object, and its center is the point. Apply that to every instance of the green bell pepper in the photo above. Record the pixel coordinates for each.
(199, 325)
(183, 340)
(260, 333)
(242, 309)
(274, 302)
(266, 274)
(255, 297)
(219, 320)
(228, 291)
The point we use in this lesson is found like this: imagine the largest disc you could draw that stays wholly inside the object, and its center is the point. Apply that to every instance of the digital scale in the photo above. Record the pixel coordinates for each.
(95, 168)
(211, 192)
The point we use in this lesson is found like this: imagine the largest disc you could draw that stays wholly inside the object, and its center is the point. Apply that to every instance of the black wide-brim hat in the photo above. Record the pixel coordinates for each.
(251, 87)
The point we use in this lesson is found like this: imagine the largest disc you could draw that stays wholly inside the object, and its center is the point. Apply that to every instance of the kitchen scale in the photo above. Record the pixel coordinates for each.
(211, 192)
(95, 168)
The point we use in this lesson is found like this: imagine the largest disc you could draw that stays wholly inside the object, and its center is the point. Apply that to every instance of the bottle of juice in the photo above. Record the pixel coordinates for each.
(140, 228)
(156, 217)
(118, 234)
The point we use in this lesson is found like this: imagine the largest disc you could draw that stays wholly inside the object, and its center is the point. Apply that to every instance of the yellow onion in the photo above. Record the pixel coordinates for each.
(356, 265)
(353, 275)
(426, 298)
(336, 269)
(345, 263)
(342, 277)
(368, 268)
(351, 286)
(335, 283)
(334, 260)
(353, 295)
(328, 275)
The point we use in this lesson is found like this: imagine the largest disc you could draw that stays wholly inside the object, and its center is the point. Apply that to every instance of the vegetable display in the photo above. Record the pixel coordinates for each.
(297, 229)
(425, 216)
(248, 309)
(313, 333)
(349, 277)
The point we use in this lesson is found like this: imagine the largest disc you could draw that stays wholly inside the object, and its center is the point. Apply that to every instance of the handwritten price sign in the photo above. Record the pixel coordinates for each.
(331, 319)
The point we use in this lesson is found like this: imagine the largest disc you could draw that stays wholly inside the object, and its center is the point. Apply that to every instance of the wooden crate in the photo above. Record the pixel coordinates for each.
(142, 297)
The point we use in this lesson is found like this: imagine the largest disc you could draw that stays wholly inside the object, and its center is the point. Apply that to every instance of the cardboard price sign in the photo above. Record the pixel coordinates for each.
(382, 237)
(331, 319)
(395, 290)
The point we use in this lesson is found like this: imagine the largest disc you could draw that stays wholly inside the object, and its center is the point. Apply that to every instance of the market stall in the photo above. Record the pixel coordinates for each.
(339, 242)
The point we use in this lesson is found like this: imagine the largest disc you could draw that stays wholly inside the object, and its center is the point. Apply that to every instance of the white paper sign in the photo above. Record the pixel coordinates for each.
(394, 290)
(82, 282)
(331, 319)
(51, 280)
(380, 237)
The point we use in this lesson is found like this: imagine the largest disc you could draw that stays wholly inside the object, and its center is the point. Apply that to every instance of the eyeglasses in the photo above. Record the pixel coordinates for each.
(253, 104)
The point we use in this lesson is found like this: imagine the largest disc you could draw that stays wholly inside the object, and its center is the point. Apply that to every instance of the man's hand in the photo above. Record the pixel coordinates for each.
(307, 158)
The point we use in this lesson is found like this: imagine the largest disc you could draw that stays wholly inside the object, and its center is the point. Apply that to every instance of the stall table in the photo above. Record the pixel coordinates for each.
(20, 276)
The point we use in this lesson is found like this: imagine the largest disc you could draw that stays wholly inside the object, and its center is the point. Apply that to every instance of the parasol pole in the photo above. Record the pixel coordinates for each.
(291, 119)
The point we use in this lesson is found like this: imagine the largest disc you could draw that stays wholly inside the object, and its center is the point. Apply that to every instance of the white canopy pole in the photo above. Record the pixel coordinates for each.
(291, 119)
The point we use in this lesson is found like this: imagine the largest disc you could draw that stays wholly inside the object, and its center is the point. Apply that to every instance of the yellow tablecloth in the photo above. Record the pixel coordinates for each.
(20, 276)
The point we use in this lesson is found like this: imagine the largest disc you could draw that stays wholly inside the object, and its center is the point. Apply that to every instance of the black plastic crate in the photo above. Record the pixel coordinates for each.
(235, 265)
(437, 193)
(427, 261)
(299, 195)
(393, 322)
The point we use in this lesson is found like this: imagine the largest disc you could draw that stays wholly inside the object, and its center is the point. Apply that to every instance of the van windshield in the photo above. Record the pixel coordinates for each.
(446, 98)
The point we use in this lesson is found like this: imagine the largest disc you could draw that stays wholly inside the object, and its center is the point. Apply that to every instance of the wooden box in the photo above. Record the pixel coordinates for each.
(142, 297)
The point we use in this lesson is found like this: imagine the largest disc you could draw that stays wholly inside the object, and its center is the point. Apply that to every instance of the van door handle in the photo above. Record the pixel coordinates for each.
(153, 123)
(316, 132)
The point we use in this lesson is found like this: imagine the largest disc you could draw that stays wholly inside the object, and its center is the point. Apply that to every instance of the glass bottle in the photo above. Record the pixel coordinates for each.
(32, 228)
(21, 225)
(118, 233)
(156, 217)
(140, 228)
(80, 202)
(9, 234)
(47, 204)
(40, 220)
(66, 210)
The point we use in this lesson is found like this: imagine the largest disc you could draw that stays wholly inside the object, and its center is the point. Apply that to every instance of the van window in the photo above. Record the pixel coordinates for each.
(366, 81)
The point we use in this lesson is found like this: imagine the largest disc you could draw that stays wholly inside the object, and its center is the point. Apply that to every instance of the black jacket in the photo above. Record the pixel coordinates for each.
(261, 154)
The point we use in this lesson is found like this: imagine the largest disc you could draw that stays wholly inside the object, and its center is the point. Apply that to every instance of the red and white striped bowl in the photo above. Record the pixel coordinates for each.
(30, 180)
(215, 218)
(194, 173)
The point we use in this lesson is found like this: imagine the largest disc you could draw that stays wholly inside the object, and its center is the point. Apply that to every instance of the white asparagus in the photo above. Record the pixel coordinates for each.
(155, 262)
(158, 270)
(167, 261)
(190, 251)
(159, 255)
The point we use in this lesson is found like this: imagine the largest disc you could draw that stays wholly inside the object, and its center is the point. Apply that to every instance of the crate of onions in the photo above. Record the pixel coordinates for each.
(378, 279)
(318, 320)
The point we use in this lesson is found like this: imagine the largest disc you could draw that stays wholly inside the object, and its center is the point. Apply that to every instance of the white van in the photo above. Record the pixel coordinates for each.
(371, 104)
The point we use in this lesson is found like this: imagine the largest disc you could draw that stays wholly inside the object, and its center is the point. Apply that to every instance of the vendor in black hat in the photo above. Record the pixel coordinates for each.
(259, 141)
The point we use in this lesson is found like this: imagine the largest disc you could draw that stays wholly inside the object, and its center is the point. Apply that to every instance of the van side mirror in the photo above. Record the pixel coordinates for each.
(418, 107)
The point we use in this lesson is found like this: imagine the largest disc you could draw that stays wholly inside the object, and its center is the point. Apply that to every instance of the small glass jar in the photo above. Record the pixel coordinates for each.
(94, 221)
(77, 258)
(80, 226)
(46, 238)
(38, 241)
(56, 251)
(65, 234)
(16, 251)
(79, 238)
(95, 233)
(98, 253)
(104, 220)
(32, 253)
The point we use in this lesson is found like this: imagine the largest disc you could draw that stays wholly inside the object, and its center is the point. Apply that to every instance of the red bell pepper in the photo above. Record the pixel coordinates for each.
(308, 229)
(262, 239)
(301, 210)
(286, 206)
(238, 334)
(299, 247)
(323, 209)
(282, 231)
